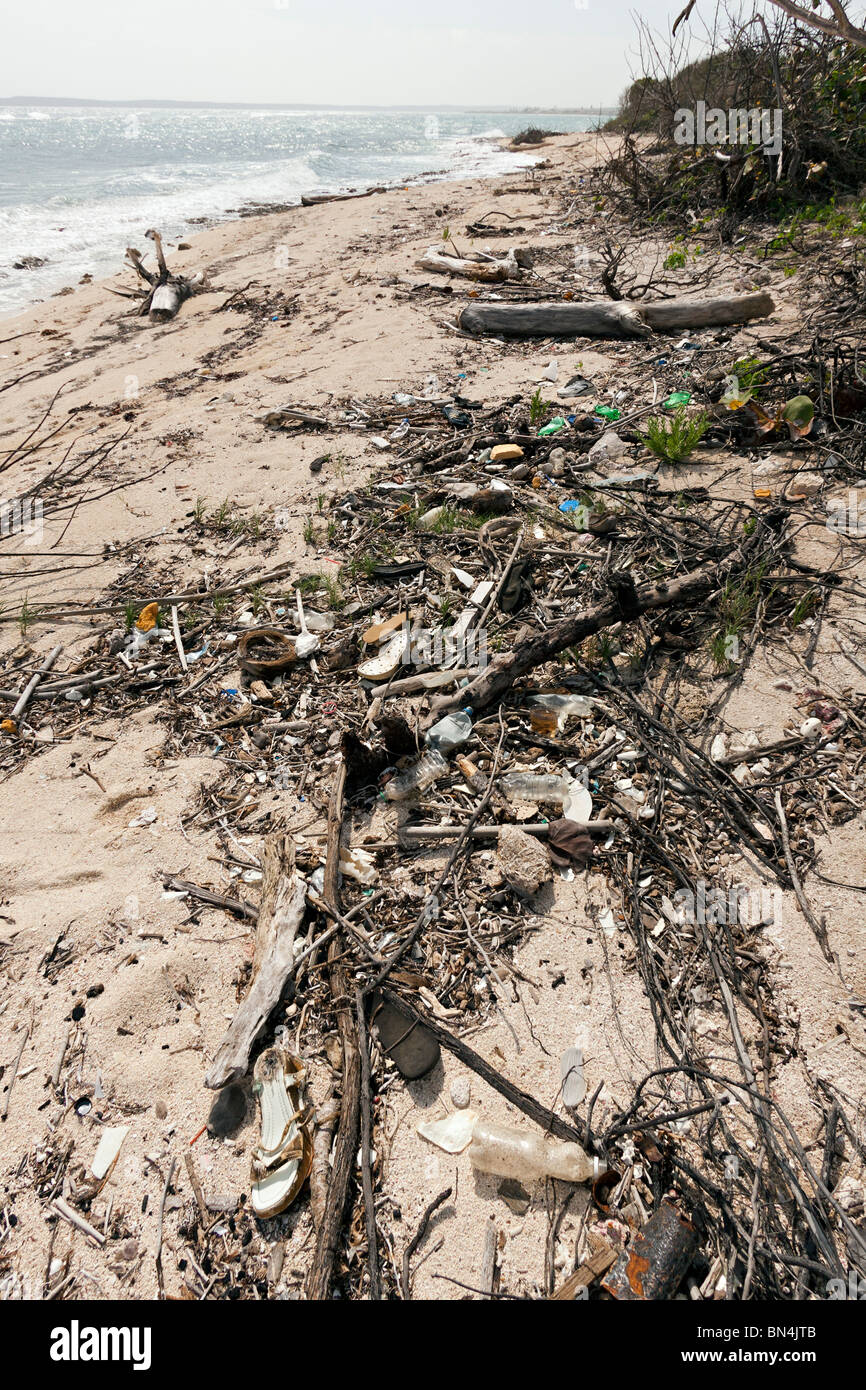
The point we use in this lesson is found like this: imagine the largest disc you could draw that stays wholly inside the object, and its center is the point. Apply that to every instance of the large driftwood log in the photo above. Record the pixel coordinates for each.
(346, 1144)
(486, 269)
(166, 292)
(280, 915)
(615, 319)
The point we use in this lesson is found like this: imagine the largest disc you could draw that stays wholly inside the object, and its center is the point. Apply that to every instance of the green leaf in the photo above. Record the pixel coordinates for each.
(799, 414)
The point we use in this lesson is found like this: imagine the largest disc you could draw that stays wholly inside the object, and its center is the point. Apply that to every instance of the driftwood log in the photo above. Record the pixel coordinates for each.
(280, 915)
(166, 292)
(474, 268)
(614, 319)
(346, 1144)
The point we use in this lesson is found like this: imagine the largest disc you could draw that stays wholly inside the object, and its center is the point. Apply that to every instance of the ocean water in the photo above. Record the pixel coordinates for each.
(80, 184)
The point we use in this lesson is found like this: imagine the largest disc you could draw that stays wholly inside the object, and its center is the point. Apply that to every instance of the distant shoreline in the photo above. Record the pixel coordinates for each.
(162, 105)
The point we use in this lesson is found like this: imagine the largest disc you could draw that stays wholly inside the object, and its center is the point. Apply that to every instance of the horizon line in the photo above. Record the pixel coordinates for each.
(526, 109)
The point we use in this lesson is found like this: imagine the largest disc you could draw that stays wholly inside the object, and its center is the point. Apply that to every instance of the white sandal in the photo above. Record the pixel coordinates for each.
(282, 1160)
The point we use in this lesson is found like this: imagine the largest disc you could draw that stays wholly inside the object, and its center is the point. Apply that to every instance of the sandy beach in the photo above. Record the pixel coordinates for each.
(131, 987)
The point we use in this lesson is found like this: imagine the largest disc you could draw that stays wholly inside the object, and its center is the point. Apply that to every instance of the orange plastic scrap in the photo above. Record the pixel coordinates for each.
(146, 620)
(654, 1265)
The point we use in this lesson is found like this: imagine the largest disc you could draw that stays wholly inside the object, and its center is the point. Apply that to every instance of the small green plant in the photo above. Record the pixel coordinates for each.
(320, 502)
(220, 604)
(199, 510)
(538, 406)
(804, 607)
(333, 591)
(130, 613)
(673, 439)
(309, 531)
(750, 375)
(257, 599)
(737, 608)
(675, 261)
(221, 517)
(308, 585)
(332, 530)
(25, 617)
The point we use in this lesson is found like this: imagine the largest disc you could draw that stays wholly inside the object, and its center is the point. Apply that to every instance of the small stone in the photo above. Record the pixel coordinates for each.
(460, 1095)
(227, 1112)
(515, 1196)
(161, 1109)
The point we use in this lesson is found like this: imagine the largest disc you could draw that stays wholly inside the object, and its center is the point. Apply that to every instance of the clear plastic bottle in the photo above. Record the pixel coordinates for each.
(452, 731)
(537, 786)
(417, 778)
(563, 706)
(528, 1156)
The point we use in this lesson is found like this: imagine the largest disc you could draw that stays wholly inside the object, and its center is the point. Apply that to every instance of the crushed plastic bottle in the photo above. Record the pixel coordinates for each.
(417, 778)
(452, 731)
(528, 1157)
(552, 427)
(536, 786)
(563, 705)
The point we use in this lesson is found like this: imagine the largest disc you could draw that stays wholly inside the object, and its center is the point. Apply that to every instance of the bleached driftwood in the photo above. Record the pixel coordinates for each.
(609, 319)
(476, 267)
(166, 292)
(280, 915)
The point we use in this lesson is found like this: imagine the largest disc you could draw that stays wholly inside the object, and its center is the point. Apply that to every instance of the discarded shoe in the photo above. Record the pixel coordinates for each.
(281, 1161)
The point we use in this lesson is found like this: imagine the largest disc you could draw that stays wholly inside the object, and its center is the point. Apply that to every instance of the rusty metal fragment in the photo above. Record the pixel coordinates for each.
(658, 1257)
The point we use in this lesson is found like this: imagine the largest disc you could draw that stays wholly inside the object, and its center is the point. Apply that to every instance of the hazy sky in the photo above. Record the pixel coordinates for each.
(502, 52)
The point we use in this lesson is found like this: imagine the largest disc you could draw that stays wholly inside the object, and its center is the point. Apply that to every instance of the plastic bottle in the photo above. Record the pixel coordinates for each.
(535, 786)
(528, 1156)
(563, 705)
(452, 731)
(417, 778)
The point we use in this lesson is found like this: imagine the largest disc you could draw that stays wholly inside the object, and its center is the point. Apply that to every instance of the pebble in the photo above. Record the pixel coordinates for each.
(460, 1093)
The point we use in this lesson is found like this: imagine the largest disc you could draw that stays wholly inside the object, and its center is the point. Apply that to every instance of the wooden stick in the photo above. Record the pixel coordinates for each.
(24, 698)
(175, 627)
(62, 1208)
(412, 834)
(59, 1056)
(321, 1270)
(366, 1163)
(819, 928)
(417, 1239)
(13, 1073)
(589, 1271)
